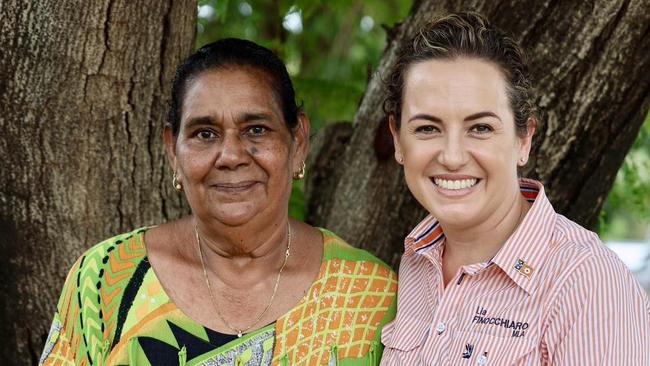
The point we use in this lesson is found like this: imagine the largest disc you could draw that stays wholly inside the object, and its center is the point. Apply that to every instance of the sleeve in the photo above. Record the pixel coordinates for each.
(76, 336)
(600, 317)
(60, 347)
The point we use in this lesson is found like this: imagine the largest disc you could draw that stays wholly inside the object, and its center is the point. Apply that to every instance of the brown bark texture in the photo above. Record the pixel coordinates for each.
(83, 98)
(591, 70)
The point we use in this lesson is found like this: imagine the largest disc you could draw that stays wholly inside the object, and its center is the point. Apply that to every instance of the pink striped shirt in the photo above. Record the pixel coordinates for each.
(552, 295)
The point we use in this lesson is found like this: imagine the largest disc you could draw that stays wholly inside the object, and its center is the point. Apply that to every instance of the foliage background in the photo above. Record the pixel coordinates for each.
(332, 47)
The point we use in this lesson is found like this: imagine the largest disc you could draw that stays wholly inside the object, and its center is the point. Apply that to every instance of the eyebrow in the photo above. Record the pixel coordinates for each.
(475, 116)
(248, 117)
(426, 117)
(481, 115)
(245, 117)
(197, 121)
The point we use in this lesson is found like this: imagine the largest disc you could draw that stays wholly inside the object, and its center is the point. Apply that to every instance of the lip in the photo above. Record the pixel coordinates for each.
(235, 187)
(454, 176)
(455, 193)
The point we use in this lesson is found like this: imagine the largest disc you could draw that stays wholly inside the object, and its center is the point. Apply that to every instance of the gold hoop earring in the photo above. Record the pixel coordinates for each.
(176, 183)
(300, 173)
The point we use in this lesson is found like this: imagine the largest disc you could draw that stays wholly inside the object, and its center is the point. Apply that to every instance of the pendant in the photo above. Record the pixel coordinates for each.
(239, 334)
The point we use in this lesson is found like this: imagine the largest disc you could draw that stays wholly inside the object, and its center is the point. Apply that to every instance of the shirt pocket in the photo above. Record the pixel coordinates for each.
(404, 337)
(473, 348)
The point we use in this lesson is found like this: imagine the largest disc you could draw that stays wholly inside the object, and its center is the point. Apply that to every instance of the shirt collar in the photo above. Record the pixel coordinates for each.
(523, 253)
(428, 233)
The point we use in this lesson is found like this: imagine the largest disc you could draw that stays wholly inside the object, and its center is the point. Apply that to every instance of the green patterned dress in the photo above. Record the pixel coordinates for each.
(114, 311)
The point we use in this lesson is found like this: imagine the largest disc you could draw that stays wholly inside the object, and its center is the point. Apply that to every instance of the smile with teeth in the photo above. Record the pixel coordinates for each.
(455, 184)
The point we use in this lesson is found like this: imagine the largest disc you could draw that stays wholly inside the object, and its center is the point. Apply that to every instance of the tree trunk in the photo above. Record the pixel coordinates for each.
(83, 99)
(590, 65)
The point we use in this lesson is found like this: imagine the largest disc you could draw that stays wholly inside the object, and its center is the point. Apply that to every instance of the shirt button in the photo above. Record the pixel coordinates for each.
(440, 328)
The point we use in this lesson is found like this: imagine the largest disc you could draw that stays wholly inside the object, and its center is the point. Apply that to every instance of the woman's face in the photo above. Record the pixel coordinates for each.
(458, 141)
(234, 154)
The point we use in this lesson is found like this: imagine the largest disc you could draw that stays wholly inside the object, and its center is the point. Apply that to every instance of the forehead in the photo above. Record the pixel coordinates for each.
(462, 84)
(229, 90)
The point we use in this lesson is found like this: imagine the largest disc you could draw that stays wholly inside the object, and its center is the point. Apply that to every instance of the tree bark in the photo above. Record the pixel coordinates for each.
(83, 99)
(590, 65)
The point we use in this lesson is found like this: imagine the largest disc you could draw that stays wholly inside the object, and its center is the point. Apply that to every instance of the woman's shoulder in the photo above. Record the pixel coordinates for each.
(337, 249)
(579, 260)
(125, 247)
(112, 260)
(94, 287)
(574, 243)
(342, 315)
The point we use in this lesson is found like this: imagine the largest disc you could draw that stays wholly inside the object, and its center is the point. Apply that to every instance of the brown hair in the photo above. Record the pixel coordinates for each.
(465, 34)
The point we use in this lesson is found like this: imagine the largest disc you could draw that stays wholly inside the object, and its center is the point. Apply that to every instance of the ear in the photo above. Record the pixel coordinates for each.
(170, 146)
(526, 142)
(394, 130)
(301, 140)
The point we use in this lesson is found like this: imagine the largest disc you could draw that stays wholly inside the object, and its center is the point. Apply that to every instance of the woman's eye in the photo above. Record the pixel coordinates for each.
(481, 128)
(426, 129)
(257, 130)
(205, 134)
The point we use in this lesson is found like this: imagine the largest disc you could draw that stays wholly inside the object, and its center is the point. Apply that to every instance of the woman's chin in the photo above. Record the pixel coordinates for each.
(235, 216)
(457, 216)
(234, 221)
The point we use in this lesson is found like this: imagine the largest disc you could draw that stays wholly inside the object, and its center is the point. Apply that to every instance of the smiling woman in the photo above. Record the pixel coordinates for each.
(493, 275)
(459, 133)
(235, 158)
(237, 282)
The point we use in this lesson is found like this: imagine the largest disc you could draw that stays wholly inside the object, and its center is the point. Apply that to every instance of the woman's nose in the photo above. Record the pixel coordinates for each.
(233, 152)
(453, 155)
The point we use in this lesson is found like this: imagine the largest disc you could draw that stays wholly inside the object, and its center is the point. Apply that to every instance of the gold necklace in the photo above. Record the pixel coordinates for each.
(241, 331)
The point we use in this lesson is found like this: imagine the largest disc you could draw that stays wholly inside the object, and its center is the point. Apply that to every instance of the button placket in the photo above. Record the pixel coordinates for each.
(450, 321)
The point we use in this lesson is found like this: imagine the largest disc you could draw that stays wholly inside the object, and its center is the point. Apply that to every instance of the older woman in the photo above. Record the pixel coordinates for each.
(237, 282)
(493, 275)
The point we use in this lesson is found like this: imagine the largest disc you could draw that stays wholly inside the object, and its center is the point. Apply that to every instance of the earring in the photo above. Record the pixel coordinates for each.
(522, 161)
(176, 183)
(400, 160)
(301, 173)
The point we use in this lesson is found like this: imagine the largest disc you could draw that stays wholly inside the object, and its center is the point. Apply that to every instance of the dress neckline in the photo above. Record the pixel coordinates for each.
(325, 235)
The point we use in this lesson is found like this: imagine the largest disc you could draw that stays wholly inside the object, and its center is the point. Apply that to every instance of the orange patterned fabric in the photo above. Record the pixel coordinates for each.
(342, 314)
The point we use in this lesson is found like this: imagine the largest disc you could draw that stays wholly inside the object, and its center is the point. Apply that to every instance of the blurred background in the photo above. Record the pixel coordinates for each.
(332, 47)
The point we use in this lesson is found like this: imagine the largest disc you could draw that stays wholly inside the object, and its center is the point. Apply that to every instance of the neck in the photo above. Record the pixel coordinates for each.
(245, 255)
(480, 243)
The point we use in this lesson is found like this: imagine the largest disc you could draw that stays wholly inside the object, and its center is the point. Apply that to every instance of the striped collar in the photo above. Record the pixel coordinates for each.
(523, 253)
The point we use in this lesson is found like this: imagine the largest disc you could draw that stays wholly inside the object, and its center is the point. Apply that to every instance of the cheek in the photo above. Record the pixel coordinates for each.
(418, 154)
(496, 157)
(194, 164)
(273, 158)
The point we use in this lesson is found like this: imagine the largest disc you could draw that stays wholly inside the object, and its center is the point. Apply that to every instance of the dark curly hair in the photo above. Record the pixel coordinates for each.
(465, 34)
(229, 52)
